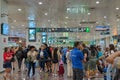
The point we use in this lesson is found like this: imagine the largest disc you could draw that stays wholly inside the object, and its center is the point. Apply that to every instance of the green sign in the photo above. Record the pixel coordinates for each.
(87, 29)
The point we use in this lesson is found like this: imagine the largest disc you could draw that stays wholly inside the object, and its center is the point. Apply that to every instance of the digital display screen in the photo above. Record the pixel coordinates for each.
(4, 29)
(102, 28)
(32, 24)
(32, 34)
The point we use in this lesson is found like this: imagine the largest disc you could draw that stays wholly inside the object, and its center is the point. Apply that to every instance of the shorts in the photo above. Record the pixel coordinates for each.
(7, 65)
(55, 61)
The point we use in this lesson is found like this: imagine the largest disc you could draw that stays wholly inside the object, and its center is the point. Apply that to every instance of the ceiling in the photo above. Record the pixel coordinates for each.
(64, 13)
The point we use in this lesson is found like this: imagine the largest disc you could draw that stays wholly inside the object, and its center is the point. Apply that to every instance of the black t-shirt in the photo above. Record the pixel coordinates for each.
(85, 51)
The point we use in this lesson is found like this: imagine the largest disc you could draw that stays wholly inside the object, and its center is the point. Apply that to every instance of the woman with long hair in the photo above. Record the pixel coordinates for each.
(55, 60)
(7, 56)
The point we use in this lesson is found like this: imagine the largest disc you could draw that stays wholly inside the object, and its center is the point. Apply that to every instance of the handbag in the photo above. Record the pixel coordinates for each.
(28, 59)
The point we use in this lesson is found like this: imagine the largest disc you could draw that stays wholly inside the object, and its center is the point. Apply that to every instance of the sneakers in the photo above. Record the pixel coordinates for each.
(54, 75)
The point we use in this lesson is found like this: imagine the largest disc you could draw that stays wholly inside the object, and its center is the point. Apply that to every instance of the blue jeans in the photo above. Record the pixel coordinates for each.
(31, 66)
(42, 64)
(108, 74)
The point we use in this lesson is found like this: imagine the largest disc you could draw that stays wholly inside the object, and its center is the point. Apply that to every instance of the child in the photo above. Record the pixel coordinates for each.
(61, 69)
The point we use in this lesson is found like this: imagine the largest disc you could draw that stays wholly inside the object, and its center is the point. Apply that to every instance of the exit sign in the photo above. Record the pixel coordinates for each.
(87, 29)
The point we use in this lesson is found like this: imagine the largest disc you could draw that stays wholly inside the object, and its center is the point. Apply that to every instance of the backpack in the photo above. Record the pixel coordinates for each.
(25, 53)
(19, 54)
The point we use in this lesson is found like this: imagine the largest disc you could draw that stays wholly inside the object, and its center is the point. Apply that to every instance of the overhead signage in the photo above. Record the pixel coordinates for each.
(102, 28)
(82, 29)
(32, 34)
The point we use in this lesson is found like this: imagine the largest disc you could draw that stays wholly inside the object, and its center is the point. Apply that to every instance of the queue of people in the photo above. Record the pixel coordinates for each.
(83, 62)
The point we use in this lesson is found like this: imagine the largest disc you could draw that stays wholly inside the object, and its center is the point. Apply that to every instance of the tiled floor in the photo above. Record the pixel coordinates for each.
(39, 76)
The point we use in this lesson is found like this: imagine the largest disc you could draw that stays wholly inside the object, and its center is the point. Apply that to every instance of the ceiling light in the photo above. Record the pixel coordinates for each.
(108, 24)
(12, 27)
(83, 20)
(117, 8)
(48, 20)
(40, 3)
(23, 25)
(89, 13)
(97, 22)
(79, 24)
(14, 21)
(118, 20)
(19, 9)
(46, 14)
(65, 22)
(105, 17)
(66, 17)
(97, 2)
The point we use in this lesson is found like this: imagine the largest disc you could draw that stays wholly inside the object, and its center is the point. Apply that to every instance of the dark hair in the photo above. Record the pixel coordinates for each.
(99, 49)
(5, 49)
(83, 45)
(31, 47)
(55, 51)
(20, 49)
(112, 47)
(45, 44)
(76, 44)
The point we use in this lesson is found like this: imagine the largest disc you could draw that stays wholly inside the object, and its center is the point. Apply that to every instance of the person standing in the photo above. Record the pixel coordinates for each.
(42, 57)
(86, 54)
(7, 56)
(77, 58)
(69, 64)
(110, 66)
(55, 60)
(19, 56)
(48, 60)
(31, 58)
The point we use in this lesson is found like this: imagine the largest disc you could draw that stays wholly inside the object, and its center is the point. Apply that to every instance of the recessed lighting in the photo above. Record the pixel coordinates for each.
(23, 25)
(46, 14)
(48, 20)
(40, 3)
(19, 9)
(105, 17)
(97, 22)
(14, 21)
(97, 2)
(89, 13)
(12, 27)
(66, 17)
(83, 20)
(117, 8)
(108, 24)
(118, 20)
(79, 24)
(65, 22)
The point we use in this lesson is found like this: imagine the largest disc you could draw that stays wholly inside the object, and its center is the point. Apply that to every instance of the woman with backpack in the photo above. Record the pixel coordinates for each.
(19, 56)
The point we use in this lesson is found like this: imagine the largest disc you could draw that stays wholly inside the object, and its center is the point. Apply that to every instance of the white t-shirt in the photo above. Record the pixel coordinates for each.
(41, 54)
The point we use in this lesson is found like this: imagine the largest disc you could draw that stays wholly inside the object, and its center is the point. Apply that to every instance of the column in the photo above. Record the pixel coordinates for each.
(3, 38)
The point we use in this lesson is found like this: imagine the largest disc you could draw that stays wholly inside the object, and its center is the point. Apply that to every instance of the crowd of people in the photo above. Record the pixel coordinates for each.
(82, 61)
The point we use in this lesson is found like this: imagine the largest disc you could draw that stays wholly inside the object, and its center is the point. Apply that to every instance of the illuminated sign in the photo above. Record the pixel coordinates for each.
(81, 9)
(82, 29)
